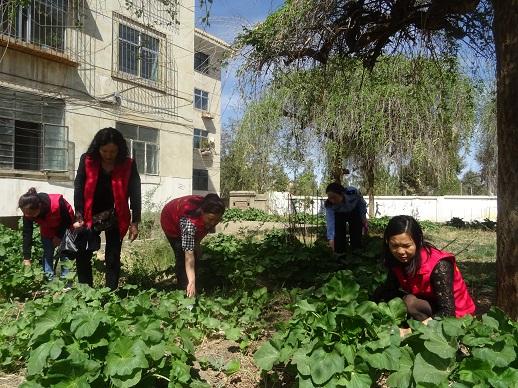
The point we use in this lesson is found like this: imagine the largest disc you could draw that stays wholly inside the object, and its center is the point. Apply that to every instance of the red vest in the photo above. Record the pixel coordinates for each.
(178, 208)
(420, 286)
(50, 224)
(120, 181)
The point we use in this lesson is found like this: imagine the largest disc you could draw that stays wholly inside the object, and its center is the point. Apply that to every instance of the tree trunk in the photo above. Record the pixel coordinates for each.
(506, 41)
(370, 188)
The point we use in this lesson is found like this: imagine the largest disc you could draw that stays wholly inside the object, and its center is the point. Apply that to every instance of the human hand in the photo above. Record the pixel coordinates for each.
(27, 262)
(191, 289)
(404, 332)
(133, 231)
(78, 224)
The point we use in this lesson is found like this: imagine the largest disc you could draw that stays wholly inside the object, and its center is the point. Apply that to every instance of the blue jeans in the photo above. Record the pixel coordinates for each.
(48, 259)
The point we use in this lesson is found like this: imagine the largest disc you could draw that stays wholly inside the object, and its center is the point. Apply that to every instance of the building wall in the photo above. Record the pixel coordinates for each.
(95, 98)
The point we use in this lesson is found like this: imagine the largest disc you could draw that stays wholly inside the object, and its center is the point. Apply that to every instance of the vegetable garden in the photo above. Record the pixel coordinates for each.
(304, 319)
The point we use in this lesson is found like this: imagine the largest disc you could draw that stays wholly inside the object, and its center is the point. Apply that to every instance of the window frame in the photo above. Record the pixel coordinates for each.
(196, 179)
(197, 138)
(147, 144)
(202, 95)
(202, 67)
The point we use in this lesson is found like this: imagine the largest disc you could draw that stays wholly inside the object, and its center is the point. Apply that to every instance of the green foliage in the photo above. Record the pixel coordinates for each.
(249, 214)
(18, 280)
(459, 223)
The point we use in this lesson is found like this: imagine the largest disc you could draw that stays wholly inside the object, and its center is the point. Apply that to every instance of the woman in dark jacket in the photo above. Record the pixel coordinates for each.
(54, 215)
(106, 178)
(185, 222)
(344, 205)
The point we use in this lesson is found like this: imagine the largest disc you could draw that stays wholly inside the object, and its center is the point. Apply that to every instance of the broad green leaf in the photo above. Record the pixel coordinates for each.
(301, 359)
(125, 357)
(76, 382)
(304, 306)
(232, 367)
(397, 309)
(49, 321)
(86, 323)
(403, 376)
(430, 370)
(39, 356)
(324, 365)
(266, 356)
(359, 380)
(347, 351)
(387, 359)
(453, 327)
(500, 354)
(366, 310)
(126, 381)
(233, 333)
(472, 370)
(507, 379)
(180, 372)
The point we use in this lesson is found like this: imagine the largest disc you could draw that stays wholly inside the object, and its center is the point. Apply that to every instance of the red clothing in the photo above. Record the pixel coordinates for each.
(178, 208)
(50, 224)
(120, 177)
(420, 286)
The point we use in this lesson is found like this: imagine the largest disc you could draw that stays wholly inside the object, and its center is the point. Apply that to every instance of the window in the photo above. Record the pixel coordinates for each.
(201, 62)
(143, 145)
(199, 135)
(201, 99)
(200, 180)
(32, 136)
(138, 53)
(40, 22)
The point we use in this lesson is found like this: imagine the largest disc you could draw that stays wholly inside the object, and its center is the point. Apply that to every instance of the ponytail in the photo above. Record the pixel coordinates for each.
(30, 199)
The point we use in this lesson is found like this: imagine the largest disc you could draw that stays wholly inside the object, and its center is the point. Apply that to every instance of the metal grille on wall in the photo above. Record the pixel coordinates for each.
(143, 56)
(32, 134)
(47, 25)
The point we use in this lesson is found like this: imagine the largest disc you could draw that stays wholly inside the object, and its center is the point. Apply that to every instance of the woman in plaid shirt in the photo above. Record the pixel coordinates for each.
(186, 221)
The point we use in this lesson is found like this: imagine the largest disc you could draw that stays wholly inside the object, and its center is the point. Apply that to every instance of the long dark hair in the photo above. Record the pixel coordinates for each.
(106, 136)
(30, 199)
(399, 225)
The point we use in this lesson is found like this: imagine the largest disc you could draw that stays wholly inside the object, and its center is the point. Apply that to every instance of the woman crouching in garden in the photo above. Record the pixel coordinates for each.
(185, 222)
(426, 278)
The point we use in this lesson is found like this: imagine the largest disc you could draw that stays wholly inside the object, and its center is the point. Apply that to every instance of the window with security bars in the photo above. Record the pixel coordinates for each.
(201, 62)
(198, 138)
(138, 53)
(32, 134)
(40, 22)
(201, 99)
(200, 179)
(143, 145)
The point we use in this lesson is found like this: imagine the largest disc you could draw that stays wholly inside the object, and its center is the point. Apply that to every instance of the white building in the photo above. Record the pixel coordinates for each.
(71, 67)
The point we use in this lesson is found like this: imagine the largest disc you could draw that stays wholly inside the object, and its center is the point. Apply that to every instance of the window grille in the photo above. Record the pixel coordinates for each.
(200, 180)
(201, 62)
(32, 134)
(201, 99)
(143, 145)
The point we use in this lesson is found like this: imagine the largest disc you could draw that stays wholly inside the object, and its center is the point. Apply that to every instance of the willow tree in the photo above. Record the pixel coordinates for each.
(309, 32)
(404, 111)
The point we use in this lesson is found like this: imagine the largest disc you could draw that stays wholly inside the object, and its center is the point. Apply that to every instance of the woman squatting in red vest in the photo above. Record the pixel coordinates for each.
(426, 278)
(106, 178)
(185, 222)
(54, 215)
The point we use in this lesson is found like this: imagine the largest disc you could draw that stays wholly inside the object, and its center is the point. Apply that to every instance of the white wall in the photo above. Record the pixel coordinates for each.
(439, 209)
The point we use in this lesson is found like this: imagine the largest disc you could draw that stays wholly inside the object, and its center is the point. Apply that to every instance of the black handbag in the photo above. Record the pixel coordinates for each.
(104, 220)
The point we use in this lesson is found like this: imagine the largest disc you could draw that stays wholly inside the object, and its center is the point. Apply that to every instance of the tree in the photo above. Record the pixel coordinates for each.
(487, 151)
(391, 117)
(308, 33)
(472, 184)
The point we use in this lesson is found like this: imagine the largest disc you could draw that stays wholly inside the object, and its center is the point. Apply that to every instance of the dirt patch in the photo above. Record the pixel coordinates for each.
(214, 355)
(10, 381)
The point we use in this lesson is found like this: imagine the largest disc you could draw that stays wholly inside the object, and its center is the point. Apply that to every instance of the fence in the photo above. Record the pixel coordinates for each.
(438, 209)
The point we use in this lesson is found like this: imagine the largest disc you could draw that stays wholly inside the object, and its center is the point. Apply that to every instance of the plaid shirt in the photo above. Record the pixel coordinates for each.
(188, 231)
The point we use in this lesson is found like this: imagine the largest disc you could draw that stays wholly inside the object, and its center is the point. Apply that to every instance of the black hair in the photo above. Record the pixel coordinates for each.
(399, 225)
(213, 204)
(106, 136)
(336, 188)
(30, 199)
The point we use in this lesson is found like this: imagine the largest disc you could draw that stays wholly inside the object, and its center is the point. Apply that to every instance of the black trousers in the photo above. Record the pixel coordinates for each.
(179, 254)
(112, 259)
(354, 220)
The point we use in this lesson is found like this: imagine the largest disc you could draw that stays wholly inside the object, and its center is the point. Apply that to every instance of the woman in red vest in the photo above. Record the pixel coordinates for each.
(427, 279)
(106, 178)
(54, 215)
(185, 222)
